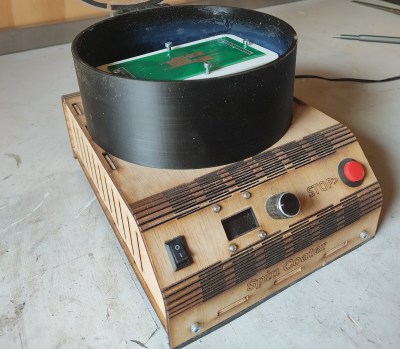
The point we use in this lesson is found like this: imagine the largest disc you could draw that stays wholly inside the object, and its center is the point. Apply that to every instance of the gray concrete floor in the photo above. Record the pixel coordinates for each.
(64, 280)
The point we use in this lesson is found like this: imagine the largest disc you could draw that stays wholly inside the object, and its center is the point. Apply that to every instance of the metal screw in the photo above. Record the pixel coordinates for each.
(207, 67)
(216, 208)
(246, 195)
(262, 234)
(363, 235)
(246, 42)
(233, 247)
(168, 46)
(195, 328)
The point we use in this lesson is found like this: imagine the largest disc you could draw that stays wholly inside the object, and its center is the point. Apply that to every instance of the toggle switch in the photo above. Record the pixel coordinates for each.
(177, 253)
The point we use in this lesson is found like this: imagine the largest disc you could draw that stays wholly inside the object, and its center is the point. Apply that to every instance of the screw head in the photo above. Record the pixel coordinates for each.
(195, 328)
(262, 234)
(207, 67)
(246, 195)
(363, 235)
(216, 208)
(233, 247)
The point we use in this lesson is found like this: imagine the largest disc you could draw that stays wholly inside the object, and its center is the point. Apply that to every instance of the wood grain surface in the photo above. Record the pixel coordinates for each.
(219, 283)
(23, 13)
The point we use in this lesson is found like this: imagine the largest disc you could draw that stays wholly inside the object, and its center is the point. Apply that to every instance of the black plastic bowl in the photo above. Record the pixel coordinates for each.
(185, 123)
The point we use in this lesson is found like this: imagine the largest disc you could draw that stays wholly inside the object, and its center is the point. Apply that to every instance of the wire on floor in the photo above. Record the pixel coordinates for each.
(366, 81)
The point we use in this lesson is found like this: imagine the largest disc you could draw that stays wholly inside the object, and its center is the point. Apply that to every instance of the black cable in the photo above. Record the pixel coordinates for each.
(366, 81)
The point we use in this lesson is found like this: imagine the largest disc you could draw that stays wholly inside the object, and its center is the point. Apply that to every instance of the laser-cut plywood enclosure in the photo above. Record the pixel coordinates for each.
(148, 207)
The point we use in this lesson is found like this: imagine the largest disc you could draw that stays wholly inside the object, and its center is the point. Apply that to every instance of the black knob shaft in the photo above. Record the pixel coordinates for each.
(283, 205)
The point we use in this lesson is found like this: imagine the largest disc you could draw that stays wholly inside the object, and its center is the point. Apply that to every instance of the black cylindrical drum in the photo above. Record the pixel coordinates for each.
(185, 123)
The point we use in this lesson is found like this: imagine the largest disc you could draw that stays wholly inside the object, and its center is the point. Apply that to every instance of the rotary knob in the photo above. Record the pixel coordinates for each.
(283, 205)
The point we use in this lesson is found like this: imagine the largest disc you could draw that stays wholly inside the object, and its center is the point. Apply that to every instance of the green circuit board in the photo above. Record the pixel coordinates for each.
(185, 62)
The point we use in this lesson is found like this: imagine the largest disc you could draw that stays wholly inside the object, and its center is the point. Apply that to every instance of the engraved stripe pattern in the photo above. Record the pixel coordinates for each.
(263, 255)
(221, 184)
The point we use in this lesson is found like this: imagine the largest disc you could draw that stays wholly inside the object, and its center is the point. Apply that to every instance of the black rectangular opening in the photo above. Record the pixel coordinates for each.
(240, 223)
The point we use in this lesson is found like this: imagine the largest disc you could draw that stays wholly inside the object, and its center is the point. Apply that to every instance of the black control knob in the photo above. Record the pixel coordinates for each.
(283, 205)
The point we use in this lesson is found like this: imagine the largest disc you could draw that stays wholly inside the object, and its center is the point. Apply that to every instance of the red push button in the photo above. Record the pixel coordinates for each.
(354, 171)
(351, 172)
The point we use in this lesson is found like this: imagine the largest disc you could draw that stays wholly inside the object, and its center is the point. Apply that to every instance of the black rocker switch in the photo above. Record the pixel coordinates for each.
(177, 253)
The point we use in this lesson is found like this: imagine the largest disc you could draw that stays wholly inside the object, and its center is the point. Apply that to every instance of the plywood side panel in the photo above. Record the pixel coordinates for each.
(100, 173)
(6, 14)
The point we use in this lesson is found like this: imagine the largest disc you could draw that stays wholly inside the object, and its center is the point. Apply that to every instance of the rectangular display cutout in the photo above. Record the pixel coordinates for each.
(240, 223)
